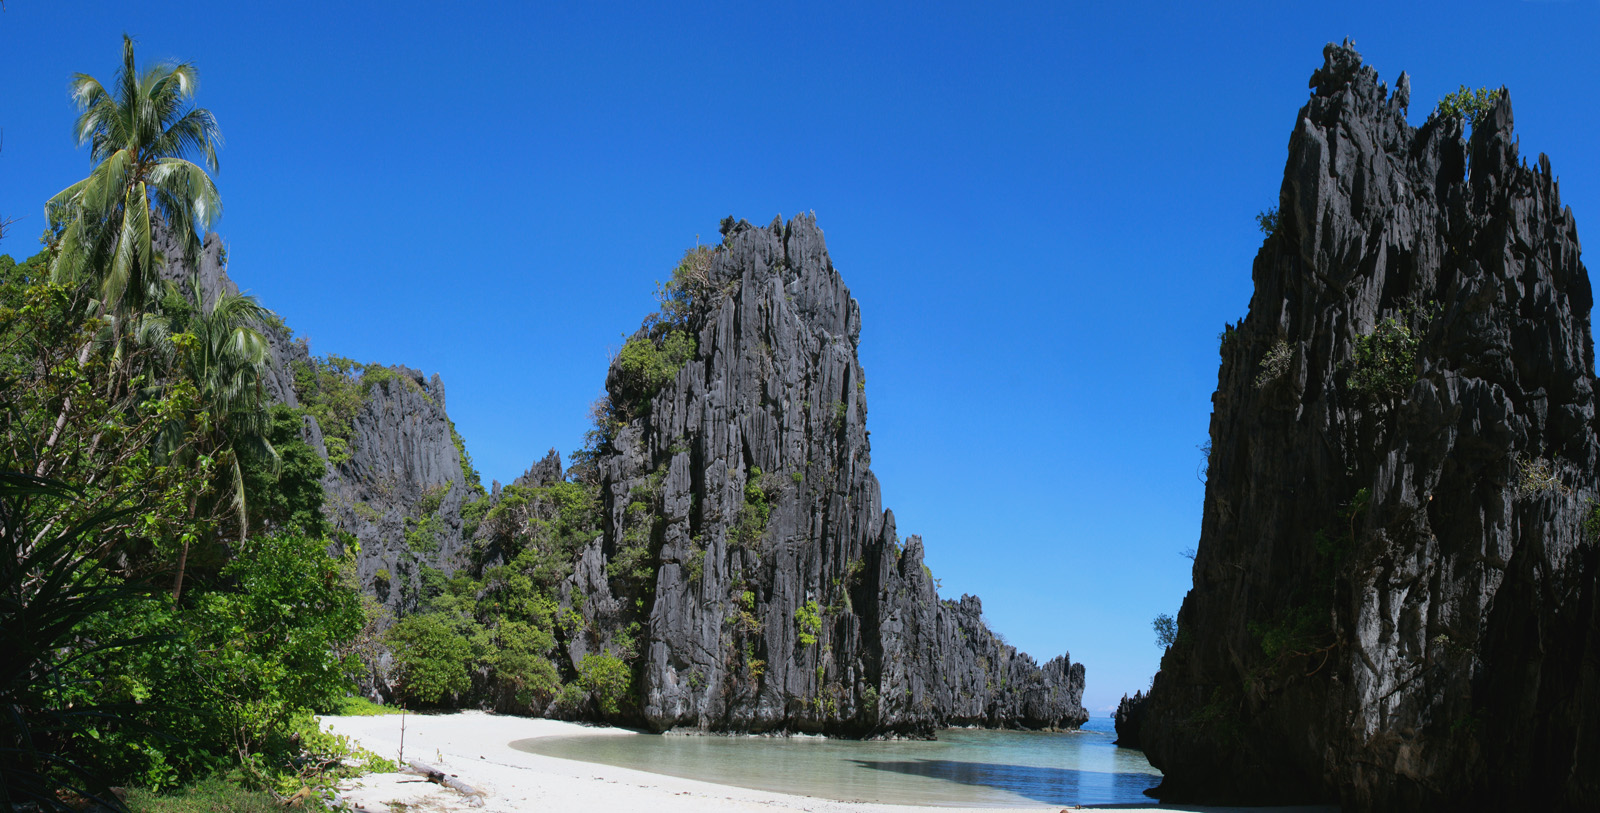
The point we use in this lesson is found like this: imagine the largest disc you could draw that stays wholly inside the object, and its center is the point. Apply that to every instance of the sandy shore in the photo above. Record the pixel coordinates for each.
(476, 747)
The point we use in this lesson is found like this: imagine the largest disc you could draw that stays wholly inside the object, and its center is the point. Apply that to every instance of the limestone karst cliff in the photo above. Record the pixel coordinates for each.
(397, 482)
(1395, 592)
(746, 571)
(718, 559)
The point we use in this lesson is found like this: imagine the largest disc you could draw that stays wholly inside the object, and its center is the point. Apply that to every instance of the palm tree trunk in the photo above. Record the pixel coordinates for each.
(61, 420)
(183, 555)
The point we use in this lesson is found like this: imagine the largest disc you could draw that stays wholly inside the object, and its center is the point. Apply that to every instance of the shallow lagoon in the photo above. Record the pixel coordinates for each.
(962, 768)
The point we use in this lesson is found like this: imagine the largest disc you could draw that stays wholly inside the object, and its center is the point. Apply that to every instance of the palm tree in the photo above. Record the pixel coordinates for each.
(139, 134)
(216, 347)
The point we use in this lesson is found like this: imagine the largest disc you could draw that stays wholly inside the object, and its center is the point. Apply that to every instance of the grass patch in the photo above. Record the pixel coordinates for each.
(206, 796)
(362, 707)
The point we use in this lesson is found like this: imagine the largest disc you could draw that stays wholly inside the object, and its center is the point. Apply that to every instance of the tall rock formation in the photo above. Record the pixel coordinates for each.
(746, 562)
(399, 489)
(1395, 593)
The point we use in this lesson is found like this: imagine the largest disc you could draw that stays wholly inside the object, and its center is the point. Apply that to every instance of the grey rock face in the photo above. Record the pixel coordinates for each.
(1129, 720)
(403, 463)
(403, 453)
(1396, 604)
(824, 621)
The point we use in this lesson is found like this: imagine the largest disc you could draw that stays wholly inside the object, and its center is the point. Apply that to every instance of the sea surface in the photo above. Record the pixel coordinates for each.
(963, 767)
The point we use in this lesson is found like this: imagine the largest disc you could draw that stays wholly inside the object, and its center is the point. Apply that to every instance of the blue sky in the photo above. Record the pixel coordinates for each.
(1046, 212)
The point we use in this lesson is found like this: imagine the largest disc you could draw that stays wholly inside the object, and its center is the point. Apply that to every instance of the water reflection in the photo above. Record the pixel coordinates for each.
(967, 768)
(1055, 786)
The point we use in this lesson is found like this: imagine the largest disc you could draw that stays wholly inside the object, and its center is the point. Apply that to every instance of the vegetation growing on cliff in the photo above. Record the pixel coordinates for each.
(1469, 104)
(1385, 362)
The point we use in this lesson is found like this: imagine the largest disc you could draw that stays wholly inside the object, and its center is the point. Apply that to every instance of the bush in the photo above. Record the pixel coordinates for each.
(751, 522)
(643, 367)
(431, 658)
(1469, 104)
(1385, 363)
(608, 679)
(1539, 476)
(1274, 364)
(1166, 628)
(808, 621)
(1268, 221)
(690, 289)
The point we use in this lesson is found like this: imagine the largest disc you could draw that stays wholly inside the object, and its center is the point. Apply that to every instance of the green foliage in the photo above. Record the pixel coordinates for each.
(1469, 104)
(1296, 631)
(696, 566)
(608, 679)
(151, 400)
(1166, 628)
(212, 795)
(690, 291)
(331, 393)
(144, 135)
(432, 498)
(231, 679)
(474, 480)
(332, 390)
(357, 706)
(808, 622)
(1385, 362)
(424, 535)
(1591, 522)
(48, 589)
(1275, 364)
(285, 493)
(645, 365)
(1536, 476)
(431, 659)
(751, 523)
(1268, 221)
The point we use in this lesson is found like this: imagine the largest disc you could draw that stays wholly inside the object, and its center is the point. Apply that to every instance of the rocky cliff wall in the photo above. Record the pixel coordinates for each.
(1395, 595)
(404, 467)
(776, 593)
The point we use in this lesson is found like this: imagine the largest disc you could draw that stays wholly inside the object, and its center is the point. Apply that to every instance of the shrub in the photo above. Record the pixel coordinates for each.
(751, 523)
(644, 367)
(1293, 632)
(1539, 476)
(1274, 364)
(1268, 221)
(808, 621)
(1469, 104)
(1385, 363)
(689, 290)
(431, 659)
(424, 535)
(608, 679)
(1166, 628)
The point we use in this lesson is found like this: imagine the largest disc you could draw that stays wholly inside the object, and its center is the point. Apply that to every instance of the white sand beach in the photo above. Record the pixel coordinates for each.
(476, 747)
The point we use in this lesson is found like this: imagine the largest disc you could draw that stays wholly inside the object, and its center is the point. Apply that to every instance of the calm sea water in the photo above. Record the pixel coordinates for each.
(963, 767)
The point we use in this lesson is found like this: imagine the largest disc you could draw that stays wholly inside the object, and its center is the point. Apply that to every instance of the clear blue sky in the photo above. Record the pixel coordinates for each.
(1046, 212)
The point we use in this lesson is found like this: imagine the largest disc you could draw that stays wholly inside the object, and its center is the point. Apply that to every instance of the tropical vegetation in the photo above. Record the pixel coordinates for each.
(173, 605)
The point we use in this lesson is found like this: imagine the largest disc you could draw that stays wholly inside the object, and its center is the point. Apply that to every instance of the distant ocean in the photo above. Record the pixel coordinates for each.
(964, 767)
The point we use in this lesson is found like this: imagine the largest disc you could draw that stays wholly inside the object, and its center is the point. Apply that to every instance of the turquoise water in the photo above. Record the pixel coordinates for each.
(963, 767)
